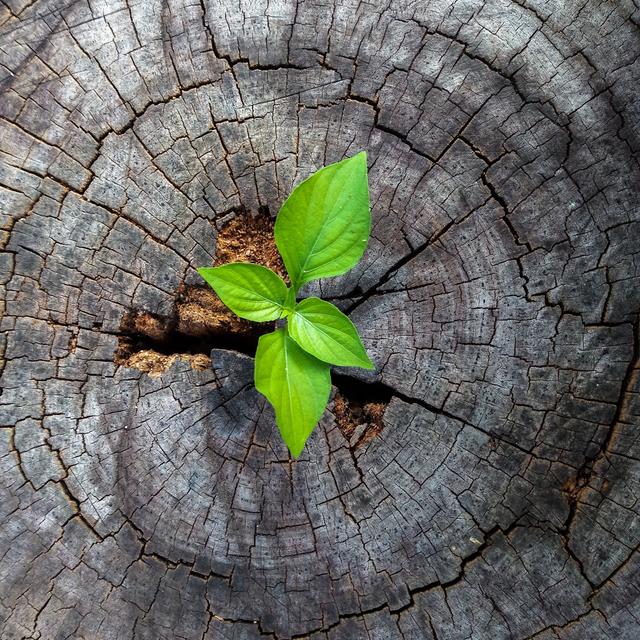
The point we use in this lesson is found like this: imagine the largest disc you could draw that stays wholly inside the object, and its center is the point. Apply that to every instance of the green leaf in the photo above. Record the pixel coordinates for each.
(326, 333)
(251, 291)
(323, 227)
(295, 383)
(291, 300)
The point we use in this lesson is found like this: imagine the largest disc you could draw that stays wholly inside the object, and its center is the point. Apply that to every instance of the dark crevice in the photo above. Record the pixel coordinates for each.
(151, 343)
(373, 390)
(180, 343)
(362, 391)
(376, 288)
(359, 408)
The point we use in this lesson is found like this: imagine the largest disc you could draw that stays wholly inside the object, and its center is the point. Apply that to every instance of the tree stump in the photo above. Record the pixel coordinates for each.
(483, 483)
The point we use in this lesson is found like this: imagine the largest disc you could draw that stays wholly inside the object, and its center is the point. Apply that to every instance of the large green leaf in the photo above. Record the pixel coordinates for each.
(326, 333)
(295, 383)
(323, 227)
(251, 291)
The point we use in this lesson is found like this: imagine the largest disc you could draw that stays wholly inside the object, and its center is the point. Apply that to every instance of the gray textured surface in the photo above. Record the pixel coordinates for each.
(499, 296)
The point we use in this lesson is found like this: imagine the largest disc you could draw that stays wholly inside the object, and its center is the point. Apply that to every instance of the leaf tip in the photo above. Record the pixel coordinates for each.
(295, 448)
(359, 160)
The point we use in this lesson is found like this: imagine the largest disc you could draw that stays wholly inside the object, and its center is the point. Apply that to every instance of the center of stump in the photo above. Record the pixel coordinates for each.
(200, 322)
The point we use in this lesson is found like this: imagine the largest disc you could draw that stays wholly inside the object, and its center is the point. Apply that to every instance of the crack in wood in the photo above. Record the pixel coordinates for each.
(482, 483)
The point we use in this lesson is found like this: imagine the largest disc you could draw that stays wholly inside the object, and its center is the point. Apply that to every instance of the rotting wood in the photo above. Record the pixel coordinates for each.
(495, 497)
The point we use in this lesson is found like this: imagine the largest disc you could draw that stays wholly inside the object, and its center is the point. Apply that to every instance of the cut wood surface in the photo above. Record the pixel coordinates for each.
(483, 484)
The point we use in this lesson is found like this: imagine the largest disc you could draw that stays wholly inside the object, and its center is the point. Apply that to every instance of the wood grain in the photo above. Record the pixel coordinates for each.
(497, 496)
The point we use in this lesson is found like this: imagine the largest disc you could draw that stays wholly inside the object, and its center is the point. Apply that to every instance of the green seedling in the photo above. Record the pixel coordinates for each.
(321, 230)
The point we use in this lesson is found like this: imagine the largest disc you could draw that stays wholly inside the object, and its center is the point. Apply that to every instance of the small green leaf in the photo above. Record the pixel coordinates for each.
(251, 291)
(295, 383)
(326, 333)
(323, 227)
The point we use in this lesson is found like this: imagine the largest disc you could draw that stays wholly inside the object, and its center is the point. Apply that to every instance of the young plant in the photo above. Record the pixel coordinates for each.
(321, 230)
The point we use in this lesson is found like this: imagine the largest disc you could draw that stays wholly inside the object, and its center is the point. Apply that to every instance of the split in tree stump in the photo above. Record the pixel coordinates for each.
(483, 483)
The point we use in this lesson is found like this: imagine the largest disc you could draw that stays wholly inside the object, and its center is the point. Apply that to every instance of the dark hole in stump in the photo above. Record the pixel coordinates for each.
(359, 408)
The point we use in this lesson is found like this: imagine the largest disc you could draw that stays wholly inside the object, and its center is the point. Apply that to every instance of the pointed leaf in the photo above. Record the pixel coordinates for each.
(323, 227)
(295, 383)
(251, 291)
(325, 332)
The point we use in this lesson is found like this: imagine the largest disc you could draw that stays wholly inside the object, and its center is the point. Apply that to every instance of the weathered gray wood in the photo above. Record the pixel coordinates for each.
(499, 297)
